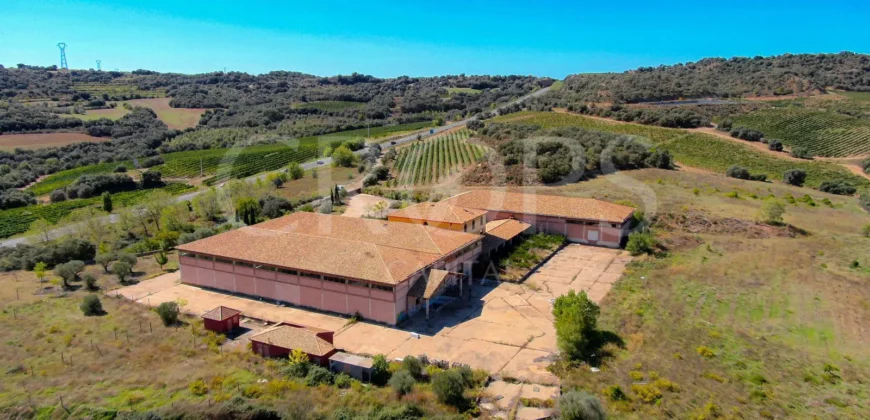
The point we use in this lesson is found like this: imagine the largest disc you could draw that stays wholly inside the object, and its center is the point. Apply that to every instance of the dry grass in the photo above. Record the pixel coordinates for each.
(327, 177)
(774, 311)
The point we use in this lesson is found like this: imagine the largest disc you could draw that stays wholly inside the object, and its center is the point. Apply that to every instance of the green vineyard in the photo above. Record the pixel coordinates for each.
(436, 159)
(233, 163)
(63, 178)
(822, 133)
(18, 220)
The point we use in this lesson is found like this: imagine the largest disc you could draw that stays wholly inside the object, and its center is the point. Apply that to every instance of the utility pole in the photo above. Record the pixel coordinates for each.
(98, 64)
(63, 64)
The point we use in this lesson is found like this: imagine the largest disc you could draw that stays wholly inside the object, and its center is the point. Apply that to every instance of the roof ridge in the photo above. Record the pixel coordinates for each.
(432, 240)
(386, 267)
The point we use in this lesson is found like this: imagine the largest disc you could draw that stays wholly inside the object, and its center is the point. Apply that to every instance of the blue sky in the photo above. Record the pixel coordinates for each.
(416, 38)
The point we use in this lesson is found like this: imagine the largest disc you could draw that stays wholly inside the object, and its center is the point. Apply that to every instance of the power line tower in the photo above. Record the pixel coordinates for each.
(98, 64)
(63, 64)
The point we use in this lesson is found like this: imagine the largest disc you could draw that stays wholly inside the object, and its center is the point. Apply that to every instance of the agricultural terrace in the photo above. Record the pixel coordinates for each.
(465, 90)
(18, 220)
(95, 114)
(120, 89)
(698, 150)
(821, 133)
(329, 106)
(40, 140)
(61, 179)
(372, 133)
(435, 159)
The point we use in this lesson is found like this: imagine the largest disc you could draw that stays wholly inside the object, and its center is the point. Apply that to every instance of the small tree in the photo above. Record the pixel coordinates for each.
(449, 387)
(318, 375)
(774, 145)
(247, 210)
(576, 405)
(90, 282)
(795, 177)
(866, 230)
(122, 270)
(344, 157)
(128, 258)
(576, 318)
(39, 270)
(107, 202)
(161, 259)
(168, 312)
(69, 271)
(105, 260)
(402, 382)
(380, 370)
(413, 366)
(91, 305)
(737, 172)
(771, 211)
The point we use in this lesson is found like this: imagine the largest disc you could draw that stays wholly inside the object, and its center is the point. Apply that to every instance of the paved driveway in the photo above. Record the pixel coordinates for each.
(505, 328)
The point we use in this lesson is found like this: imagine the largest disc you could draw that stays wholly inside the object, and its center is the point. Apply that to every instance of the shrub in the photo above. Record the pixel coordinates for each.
(801, 153)
(865, 164)
(370, 180)
(747, 134)
(295, 170)
(771, 211)
(615, 393)
(725, 125)
(381, 172)
(576, 405)
(91, 305)
(647, 393)
(58, 195)
(576, 318)
(413, 366)
(120, 169)
(839, 187)
(705, 351)
(318, 375)
(402, 382)
(343, 380)
(738, 172)
(297, 370)
(640, 243)
(128, 258)
(197, 388)
(168, 312)
(795, 177)
(865, 230)
(90, 282)
(69, 271)
(104, 260)
(449, 387)
(380, 370)
(774, 145)
(278, 182)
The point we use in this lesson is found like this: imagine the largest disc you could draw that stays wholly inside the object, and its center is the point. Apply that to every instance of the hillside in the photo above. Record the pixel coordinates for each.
(724, 78)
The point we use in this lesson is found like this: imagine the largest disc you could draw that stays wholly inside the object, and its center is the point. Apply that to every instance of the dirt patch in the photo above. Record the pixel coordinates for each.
(42, 140)
(176, 118)
(698, 222)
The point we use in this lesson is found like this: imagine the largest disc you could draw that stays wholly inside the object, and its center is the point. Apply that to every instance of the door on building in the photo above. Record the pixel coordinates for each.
(229, 324)
(592, 235)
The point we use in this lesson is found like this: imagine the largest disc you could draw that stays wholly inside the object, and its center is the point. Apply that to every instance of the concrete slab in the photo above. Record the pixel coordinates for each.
(531, 366)
(503, 395)
(370, 339)
(598, 291)
(434, 347)
(540, 392)
(533, 413)
(610, 278)
(361, 204)
(512, 335)
(485, 355)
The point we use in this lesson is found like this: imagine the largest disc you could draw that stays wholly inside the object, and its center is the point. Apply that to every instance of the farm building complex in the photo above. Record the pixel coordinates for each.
(386, 271)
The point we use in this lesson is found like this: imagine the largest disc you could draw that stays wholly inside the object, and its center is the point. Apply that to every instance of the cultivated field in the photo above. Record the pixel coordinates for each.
(330, 105)
(822, 133)
(177, 118)
(698, 150)
(63, 178)
(435, 159)
(226, 164)
(41, 140)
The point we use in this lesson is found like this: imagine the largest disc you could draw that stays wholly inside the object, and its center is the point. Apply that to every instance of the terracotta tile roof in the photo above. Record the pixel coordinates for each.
(288, 337)
(221, 313)
(543, 204)
(439, 212)
(427, 287)
(364, 249)
(499, 231)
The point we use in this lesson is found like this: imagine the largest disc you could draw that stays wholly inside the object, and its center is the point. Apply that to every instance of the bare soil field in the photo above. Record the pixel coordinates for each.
(40, 140)
(177, 118)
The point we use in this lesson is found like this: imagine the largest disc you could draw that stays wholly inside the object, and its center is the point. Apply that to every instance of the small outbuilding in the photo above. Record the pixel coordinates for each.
(280, 340)
(222, 319)
(359, 367)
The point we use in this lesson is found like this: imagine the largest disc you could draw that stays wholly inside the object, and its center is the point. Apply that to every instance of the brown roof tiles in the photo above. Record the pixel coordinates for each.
(438, 212)
(221, 313)
(543, 204)
(289, 337)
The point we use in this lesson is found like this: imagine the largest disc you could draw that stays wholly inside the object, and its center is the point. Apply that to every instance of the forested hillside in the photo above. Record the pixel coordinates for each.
(723, 78)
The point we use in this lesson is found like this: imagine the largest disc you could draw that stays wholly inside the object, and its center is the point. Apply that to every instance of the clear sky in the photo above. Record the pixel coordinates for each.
(417, 38)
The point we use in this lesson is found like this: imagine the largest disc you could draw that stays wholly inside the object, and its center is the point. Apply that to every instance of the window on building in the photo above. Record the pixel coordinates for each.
(184, 254)
(244, 264)
(205, 257)
(473, 223)
(290, 272)
(382, 287)
(223, 260)
(333, 279)
(307, 274)
(357, 284)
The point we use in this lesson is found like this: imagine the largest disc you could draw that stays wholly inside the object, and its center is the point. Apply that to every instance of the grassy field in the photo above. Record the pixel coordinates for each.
(739, 323)
(307, 186)
(177, 118)
(63, 178)
(118, 89)
(695, 149)
(330, 105)
(822, 133)
(18, 220)
(435, 159)
(95, 114)
(467, 91)
(41, 140)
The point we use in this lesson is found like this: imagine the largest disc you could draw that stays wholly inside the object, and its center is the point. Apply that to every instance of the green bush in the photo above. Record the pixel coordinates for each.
(318, 375)
(90, 282)
(380, 370)
(838, 187)
(640, 243)
(795, 177)
(122, 270)
(297, 370)
(91, 305)
(576, 405)
(168, 312)
(402, 382)
(343, 380)
(449, 387)
(413, 366)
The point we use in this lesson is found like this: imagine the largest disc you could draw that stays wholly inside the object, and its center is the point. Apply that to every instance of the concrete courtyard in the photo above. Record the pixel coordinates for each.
(503, 328)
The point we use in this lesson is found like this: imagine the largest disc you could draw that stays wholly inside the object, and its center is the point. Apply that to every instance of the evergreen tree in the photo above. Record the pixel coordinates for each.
(107, 202)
